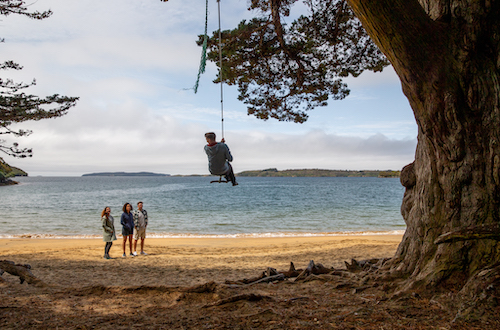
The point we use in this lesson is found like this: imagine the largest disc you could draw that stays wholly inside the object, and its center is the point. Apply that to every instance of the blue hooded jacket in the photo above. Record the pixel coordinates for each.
(127, 220)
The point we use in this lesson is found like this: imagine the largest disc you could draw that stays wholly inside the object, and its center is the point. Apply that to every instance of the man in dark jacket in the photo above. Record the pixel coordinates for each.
(219, 157)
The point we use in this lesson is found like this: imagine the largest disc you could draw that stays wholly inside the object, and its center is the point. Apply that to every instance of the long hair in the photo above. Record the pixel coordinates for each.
(124, 208)
(103, 213)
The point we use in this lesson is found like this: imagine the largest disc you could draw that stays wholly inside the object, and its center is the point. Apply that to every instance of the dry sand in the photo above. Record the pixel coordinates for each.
(85, 291)
(186, 261)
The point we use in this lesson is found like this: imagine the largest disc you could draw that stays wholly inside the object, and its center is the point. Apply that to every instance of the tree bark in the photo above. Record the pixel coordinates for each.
(446, 54)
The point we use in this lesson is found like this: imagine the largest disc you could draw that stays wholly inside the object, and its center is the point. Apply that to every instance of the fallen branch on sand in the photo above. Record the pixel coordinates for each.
(247, 296)
(22, 271)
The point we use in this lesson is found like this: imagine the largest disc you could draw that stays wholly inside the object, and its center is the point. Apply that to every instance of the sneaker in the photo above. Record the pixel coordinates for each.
(134, 254)
(144, 253)
(124, 255)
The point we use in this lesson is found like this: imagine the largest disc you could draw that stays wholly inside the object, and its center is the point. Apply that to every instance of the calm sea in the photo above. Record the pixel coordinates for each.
(191, 206)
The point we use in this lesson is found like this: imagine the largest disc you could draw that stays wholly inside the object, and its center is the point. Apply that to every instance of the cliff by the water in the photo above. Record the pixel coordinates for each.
(7, 172)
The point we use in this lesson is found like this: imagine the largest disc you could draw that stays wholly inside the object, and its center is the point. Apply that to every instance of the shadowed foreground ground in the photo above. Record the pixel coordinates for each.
(166, 289)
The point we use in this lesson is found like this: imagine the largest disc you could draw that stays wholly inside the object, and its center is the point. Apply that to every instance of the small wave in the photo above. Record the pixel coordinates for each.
(48, 236)
(191, 235)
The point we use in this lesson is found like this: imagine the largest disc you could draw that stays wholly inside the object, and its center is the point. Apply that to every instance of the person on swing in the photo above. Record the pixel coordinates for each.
(219, 157)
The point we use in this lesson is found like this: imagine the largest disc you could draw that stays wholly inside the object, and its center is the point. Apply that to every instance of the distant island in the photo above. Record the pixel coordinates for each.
(126, 174)
(319, 173)
(274, 173)
(7, 172)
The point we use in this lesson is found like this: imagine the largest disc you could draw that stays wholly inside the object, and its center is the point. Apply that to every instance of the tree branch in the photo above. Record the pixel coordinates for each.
(410, 39)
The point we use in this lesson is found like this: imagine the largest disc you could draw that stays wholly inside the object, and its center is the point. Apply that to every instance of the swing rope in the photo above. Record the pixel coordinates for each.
(203, 63)
(220, 75)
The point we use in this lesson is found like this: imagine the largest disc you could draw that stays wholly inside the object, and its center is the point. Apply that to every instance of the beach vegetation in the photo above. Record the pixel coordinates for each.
(446, 54)
(16, 104)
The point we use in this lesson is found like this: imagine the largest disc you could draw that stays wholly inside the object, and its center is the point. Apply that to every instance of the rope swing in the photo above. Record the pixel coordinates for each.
(220, 75)
(203, 63)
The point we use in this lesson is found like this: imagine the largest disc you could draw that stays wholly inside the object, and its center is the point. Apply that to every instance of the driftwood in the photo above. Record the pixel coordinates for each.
(311, 272)
(269, 275)
(273, 278)
(292, 272)
(312, 268)
(22, 271)
(247, 280)
(272, 275)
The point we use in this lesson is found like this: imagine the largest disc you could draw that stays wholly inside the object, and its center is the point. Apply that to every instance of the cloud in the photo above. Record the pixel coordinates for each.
(129, 62)
(131, 137)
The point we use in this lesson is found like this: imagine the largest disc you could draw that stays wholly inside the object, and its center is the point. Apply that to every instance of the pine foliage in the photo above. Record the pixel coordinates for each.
(282, 71)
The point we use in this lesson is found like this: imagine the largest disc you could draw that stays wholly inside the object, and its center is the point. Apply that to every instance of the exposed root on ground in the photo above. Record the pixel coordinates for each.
(361, 296)
(22, 271)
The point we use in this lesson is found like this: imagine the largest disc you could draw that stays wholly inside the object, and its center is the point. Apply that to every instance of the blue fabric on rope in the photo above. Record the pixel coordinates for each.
(203, 61)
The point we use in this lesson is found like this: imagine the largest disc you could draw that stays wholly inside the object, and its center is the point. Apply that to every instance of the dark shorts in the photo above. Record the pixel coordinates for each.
(127, 232)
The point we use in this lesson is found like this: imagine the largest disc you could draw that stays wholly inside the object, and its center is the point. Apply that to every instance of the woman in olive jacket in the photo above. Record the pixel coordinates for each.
(109, 230)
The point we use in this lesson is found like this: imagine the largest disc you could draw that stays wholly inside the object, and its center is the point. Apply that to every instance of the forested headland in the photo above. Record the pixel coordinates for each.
(7, 172)
(320, 173)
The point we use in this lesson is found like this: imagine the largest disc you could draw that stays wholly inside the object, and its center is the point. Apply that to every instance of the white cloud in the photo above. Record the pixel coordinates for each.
(129, 61)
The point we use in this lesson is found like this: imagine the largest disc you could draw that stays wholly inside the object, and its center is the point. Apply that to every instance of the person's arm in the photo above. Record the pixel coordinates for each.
(229, 157)
(145, 217)
(124, 221)
(107, 228)
(136, 219)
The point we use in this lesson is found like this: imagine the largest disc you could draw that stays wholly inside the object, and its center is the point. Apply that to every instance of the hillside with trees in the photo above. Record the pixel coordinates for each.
(319, 173)
(7, 172)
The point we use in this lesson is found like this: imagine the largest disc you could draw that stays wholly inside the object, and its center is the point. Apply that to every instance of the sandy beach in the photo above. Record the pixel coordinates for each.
(188, 283)
(185, 261)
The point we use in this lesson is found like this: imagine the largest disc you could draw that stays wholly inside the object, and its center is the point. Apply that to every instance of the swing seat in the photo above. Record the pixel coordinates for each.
(220, 180)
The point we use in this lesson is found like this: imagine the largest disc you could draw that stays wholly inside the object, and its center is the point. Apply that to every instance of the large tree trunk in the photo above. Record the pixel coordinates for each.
(446, 53)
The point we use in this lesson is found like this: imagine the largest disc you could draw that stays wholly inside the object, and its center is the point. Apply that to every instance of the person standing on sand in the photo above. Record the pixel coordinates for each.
(219, 157)
(140, 224)
(127, 222)
(109, 230)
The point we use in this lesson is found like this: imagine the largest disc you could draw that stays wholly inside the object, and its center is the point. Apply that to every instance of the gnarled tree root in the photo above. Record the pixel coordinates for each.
(470, 233)
(22, 271)
(247, 296)
(313, 269)
(480, 295)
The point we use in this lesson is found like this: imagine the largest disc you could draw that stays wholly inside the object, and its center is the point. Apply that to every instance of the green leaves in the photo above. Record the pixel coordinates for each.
(284, 71)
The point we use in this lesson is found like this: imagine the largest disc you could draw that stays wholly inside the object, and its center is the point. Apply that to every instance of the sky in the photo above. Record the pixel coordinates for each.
(133, 64)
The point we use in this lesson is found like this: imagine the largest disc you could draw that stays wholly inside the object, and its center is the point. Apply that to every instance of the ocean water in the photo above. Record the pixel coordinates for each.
(192, 207)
